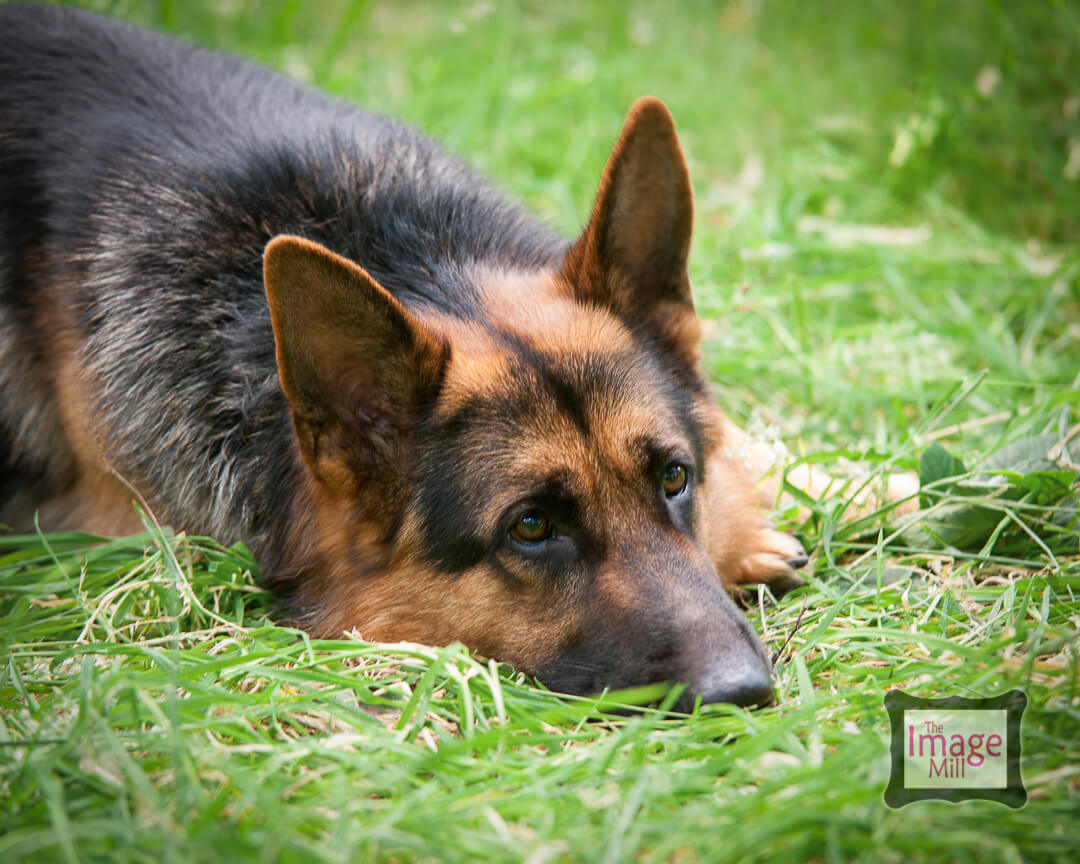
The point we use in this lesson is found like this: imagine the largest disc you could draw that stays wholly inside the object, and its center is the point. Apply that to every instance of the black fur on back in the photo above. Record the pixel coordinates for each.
(140, 179)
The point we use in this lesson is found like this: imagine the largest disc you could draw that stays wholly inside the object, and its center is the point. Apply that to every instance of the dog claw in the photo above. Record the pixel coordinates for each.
(798, 561)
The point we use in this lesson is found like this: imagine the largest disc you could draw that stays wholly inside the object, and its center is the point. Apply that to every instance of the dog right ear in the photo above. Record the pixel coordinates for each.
(355, 365)
(632, 256)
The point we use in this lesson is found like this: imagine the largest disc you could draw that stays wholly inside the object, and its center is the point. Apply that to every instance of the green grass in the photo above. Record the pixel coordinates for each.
(150, 710)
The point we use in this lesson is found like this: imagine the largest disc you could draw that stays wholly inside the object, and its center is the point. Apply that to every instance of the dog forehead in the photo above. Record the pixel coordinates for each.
(536, 306)
(530, 333)
(533, 383)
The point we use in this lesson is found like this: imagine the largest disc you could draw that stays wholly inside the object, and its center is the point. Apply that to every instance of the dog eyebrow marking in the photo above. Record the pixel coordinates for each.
(567, 398)
(570, 398)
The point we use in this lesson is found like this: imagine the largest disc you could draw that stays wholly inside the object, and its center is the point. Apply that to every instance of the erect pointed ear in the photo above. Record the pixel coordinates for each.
(632, 257)
(355, 365)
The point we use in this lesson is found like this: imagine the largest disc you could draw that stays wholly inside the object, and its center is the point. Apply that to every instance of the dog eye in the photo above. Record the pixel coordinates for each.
(674, 479)
(532, 527)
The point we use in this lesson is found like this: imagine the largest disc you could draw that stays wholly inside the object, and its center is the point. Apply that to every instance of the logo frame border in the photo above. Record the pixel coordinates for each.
(1014, 794)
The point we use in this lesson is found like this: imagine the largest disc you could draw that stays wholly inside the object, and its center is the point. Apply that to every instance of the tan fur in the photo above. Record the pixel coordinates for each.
(744, 548)
(92, 497)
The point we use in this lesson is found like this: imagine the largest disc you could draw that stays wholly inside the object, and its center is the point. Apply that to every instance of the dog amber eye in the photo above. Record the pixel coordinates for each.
(531, 528)
(675, 479)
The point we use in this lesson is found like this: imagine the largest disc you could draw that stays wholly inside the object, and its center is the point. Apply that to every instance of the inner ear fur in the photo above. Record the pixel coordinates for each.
(355, 365)
(632, 256)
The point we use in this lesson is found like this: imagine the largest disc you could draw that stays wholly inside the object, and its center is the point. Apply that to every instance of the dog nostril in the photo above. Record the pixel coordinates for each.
(797, 562)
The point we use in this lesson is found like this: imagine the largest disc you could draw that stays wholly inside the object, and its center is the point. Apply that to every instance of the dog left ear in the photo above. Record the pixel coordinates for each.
(632, 256)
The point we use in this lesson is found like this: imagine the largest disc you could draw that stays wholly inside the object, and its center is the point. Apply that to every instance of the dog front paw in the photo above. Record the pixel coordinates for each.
(770, 557)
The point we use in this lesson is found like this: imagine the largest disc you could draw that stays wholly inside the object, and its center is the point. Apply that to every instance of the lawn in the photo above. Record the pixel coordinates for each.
(887, 210)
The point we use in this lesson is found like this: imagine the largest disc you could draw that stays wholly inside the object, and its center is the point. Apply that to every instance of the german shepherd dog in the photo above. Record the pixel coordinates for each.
(279, 319)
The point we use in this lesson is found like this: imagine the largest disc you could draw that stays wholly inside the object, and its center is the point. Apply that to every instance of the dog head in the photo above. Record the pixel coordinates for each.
(529, 478)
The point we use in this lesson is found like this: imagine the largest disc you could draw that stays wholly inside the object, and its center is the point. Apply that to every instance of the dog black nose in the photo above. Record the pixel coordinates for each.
(749, 686)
